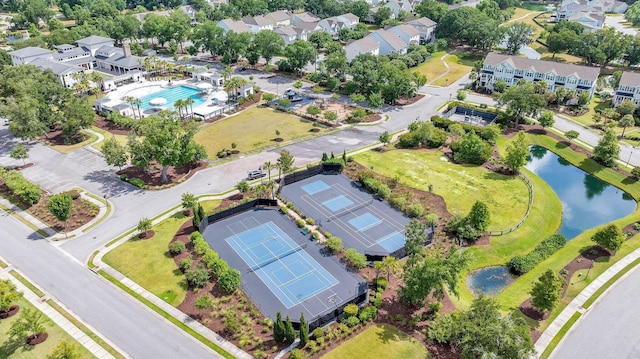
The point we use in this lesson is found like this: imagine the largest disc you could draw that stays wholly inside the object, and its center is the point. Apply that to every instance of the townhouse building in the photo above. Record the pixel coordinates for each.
(628, 89)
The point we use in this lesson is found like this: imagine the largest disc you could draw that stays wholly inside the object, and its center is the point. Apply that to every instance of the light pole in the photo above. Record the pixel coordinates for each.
(629, 159)
(588, 270)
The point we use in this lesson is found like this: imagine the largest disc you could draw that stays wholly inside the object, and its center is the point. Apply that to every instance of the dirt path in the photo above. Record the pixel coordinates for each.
(442, 58)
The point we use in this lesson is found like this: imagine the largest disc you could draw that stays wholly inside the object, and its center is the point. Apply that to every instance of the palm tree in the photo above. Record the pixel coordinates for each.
(137, 102)
(179, 104)
(226, 73)
(189, 102)
(270, 187)
(390, 264)
(378, 266)
(268, 166)
(231, 86)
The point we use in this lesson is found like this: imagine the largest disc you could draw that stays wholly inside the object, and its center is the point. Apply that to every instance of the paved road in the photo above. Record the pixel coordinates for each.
(616, 22)
(609, 330)
(131, 326)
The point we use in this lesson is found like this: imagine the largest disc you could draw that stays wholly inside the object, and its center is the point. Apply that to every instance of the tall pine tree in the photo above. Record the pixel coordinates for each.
(278, 329)
(304, 331)
(289, 332)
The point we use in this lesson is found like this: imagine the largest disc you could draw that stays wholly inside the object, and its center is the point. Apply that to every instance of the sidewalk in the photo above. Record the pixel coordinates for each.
(166, 307)
(576, 304)
(42, 305)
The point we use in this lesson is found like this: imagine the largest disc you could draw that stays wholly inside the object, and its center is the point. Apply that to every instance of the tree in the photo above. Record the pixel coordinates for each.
(383, 13)
(207, 36)
(299, 54)
(571, 135)
(19, 153)
(189, 201)
(415, 239)
(268, 166)
(607, 150)
(626, 107)
(331, 116)
(28, 325)
(546, 291)
(285, 162)
(167, 141)
(517, 152)
(385, 138)
(60, 206)
(609, 237)
(304, 331)
(229, 280)
(320, 38)
(390, 264)
(144, 225)
(481, 332)
(242, 187)
(633, 14)
(626, 121)
(64, 350)
(9, 294)
(471, 149)
(289, 332)
(546, 119)
(268, 43)
(114, 153)
(517, 35)
(278, 329)
(521, 100)
(479, 216)
(375, 100)
(432, 9)
(430, 275)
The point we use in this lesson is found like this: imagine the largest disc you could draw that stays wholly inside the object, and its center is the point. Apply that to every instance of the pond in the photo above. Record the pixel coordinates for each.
(489, 280)
(587, 202)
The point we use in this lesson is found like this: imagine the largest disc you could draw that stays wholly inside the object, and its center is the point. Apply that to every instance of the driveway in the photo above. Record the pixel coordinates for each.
(616, 22)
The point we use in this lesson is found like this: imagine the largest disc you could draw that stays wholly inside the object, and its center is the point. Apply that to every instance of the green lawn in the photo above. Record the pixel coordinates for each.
(252, 129)
(460, 63)
(210, 205)
(381, 341)
(587, 118)
(148, 263)
(460, 185)
(433, 67)
(69, 148)
(10, 349)
(122, 139)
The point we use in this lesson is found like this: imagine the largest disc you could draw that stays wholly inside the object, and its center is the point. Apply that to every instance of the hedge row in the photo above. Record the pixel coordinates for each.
(401, 202)
(489, 133)
(20, 187)
(522, 264)
(228, 278)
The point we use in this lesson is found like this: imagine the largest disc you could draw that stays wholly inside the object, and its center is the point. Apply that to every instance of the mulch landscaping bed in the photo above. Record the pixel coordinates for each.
(146, 235)
(13, 310)
(404, 102)
(102, 123)
(82, 211)
(37, 338)
(57, 138)
(153, 176)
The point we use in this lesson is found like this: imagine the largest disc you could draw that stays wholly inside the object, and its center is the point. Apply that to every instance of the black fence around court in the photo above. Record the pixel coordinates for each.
(310, 172)
(263, 202)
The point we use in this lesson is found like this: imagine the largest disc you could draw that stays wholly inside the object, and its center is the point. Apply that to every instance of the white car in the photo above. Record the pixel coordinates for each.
(256, 174)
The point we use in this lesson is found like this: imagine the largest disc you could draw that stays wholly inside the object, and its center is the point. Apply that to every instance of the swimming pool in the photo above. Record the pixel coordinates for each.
(172, 95)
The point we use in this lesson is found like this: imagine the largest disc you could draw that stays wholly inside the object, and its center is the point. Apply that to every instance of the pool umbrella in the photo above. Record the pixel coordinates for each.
(158, 102)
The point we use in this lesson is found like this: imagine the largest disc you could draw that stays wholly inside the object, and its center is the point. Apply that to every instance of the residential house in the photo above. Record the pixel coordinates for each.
(306, 29)
(589, 13)
(389, 42)
(288, 34)
(408, 33)
(366, 45)
(303, 17)
(427, 28)
(399, 5)
(628, 89)
(257, 23)
(279, 18)
(512, 69)
(334, 24)
(232, 25)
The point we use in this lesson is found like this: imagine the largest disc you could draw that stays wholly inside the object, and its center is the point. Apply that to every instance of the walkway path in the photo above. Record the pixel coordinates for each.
(446, 65)
(41, 303)
(576, 304)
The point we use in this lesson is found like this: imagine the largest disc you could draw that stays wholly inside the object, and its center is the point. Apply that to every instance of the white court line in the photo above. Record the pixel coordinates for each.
(377, 211)
(369, 226)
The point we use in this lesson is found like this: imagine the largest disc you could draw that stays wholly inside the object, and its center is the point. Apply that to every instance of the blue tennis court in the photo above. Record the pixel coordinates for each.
(337, 203)
(365, 221)
(283, 266)
(315, 187)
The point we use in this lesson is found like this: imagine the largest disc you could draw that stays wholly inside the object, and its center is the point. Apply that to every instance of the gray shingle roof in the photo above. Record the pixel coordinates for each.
(521, 63)
(423, 21)
(286, 30)
(30, 51)
(407, 29)
(630, 79)
(93, 40)
(235, 26)
(279, 15)
(390, 38)
(58, 68)
(366, 44)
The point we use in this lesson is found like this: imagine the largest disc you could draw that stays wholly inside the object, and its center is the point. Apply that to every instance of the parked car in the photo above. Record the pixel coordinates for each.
(256, 174)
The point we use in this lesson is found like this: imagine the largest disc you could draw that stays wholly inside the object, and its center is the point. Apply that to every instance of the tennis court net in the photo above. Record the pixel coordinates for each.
(277, 258)
(349, 210)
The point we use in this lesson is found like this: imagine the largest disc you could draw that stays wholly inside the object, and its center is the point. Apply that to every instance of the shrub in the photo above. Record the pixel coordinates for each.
(195, 236)
(334, 244)
(351, 321)
(197, 278)
(367, 314)
(384, 191)
(124, 178)
(381, 283)
(435, 306)
(415, 210)
(297, 354)
(318, 333)
(19, 186)
(357, 260)
(376, 302)
(74, 194)
(408, 140)
(209, 256)
(351, 310)
(310, 221)
(635, 172)
(218, 267)
(300, 223)
(372, 184)
(363, 175)
(176, 248)
(398, 201)
(137, 182)
(523, 264)
(229, 281)
(185, 264)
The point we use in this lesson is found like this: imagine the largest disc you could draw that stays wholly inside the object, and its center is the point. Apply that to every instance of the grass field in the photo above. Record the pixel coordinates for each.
(148, 263)
(460, 63)
(433, 67)
(252, 129)
(122, 139)
(381, 341)
(460, 185)
(12, 350)
(67, 149)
